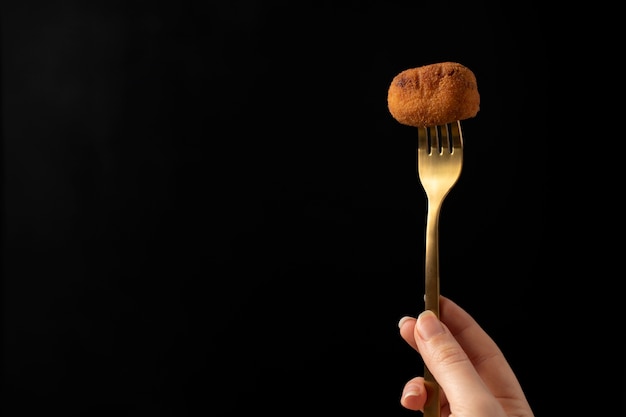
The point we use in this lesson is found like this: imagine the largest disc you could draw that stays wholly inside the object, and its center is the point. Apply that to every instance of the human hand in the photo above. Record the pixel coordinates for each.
(474, 376)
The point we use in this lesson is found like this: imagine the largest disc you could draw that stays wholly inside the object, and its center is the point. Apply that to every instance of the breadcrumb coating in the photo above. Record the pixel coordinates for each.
(434, 94)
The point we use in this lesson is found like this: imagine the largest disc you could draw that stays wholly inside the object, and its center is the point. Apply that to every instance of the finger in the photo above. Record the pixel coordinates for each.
(414, 394)
(481, 350)
(447, 361)
(407, 326)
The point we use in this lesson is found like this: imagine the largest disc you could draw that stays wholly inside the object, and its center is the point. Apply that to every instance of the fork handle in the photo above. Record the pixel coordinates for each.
(432, 407)
(431, 263)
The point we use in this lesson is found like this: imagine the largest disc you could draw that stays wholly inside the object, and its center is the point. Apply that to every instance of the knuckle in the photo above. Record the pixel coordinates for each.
(449, 355)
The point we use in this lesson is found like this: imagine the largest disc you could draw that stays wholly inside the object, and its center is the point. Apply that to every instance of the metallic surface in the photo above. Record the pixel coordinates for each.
(439, 163)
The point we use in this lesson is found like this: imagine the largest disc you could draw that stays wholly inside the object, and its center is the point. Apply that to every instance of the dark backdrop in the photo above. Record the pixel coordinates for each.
(208, 209)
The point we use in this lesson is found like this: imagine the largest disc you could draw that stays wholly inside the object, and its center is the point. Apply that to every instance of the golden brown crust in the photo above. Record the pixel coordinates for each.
(433, 95)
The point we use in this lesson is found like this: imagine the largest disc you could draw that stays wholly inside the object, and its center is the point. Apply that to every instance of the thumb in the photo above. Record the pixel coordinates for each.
(447, 361)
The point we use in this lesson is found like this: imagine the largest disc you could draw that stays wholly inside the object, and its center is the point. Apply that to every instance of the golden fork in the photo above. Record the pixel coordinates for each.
(439, 163)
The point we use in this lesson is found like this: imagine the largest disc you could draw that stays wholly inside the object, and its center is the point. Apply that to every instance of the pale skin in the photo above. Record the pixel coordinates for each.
(475, 377)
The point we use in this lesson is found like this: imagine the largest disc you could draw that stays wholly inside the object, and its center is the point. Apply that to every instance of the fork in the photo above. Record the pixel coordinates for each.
(439, 163)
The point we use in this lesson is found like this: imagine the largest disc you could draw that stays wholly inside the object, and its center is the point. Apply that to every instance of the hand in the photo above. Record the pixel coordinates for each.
(474, 376)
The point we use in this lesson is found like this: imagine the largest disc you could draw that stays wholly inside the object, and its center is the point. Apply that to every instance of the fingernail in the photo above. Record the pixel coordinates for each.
(403, 320)
(411, 392)
(428, 325)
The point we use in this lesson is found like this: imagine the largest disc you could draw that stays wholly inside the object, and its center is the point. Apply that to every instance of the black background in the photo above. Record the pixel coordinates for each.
(208, 209)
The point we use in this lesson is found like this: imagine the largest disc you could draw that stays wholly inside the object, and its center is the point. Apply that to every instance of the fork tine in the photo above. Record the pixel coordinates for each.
(445, 142)
(433, 135)
(436, 139)
(457, 136)
(422, 139)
